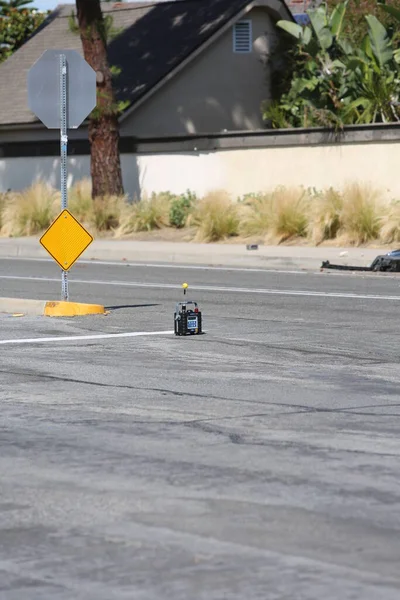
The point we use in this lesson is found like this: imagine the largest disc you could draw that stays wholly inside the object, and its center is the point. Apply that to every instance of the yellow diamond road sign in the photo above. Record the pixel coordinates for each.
(65, 240)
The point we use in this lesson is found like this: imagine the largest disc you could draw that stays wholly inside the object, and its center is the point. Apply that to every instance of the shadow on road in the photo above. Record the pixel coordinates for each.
(119, 306)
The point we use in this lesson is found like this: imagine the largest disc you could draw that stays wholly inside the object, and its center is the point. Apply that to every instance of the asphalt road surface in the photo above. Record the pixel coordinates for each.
(260, 460)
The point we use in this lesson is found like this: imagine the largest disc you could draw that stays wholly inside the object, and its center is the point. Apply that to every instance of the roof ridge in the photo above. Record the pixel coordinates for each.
(116, 7)
(119, 6)
(110, 6)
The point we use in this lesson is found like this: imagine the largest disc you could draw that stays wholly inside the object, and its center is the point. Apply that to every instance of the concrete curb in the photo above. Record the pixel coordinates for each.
(23, 307)
(72, 309)
(40, 308)
(188, 253)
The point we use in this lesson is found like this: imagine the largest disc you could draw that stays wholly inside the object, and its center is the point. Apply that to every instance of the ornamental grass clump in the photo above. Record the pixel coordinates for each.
(146, 215)
(390, 225)
(80, 201)
(289, 213)
(256, 215)
(216, 217)
(107, 212)
(31, 211)
(3, 199)
(326, 215)
(362, 213)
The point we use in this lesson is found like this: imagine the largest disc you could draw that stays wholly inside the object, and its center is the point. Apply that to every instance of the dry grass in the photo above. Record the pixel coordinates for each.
(103, 213)
(357, 215)
(290, 213)
(107, 212)
(3, 200)
(256, 215)
(80, 201)
(145, 215)
(390, 225)
(31, 211)
(362, 212)
(326, 216)
(216, 217)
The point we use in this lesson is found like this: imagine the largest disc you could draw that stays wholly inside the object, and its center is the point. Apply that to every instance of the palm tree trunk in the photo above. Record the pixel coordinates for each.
(105, 164)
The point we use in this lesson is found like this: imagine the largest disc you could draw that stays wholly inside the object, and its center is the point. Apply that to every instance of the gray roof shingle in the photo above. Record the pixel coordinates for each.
(153, 38)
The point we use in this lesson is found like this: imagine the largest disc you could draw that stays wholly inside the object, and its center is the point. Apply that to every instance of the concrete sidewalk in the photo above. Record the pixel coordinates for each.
(229, 255)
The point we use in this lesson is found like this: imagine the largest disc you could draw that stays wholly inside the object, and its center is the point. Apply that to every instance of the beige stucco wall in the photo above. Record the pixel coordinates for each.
(253, 170)
(236, 171)
(218, 90)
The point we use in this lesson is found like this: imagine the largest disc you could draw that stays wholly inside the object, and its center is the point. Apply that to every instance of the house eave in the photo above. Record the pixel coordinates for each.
(20, 126)
(33, 126)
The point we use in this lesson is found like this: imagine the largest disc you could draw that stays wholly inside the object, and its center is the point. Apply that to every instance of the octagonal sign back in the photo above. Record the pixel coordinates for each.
(44, 88)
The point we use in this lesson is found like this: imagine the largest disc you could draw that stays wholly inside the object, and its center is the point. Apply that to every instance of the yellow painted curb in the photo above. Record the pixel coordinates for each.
(72, 309)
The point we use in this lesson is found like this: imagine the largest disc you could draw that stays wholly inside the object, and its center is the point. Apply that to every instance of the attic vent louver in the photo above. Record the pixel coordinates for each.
(242, 37)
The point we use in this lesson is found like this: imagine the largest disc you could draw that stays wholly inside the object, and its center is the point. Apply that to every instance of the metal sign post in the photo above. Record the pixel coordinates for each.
(61, 93)
(63, 156)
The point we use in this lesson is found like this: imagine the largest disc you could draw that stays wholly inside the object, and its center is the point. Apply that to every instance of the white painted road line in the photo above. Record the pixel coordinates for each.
(315, 272)
(79, 338)
(207, 288)
(205, 267)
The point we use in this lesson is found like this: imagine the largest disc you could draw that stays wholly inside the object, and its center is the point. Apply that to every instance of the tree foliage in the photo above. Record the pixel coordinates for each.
(333, 82)
(16, 25)
(7, 5)
(355, 26)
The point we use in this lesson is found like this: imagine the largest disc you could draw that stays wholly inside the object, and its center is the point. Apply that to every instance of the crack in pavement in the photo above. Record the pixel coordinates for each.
(296, 408)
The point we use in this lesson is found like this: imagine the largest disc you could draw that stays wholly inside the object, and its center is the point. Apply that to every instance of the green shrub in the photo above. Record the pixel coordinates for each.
(180, 209)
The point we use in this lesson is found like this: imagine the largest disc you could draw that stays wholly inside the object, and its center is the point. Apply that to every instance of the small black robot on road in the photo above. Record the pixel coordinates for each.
(187, 317)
